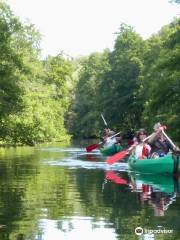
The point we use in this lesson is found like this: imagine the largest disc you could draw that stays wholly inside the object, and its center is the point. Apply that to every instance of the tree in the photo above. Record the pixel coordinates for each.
(10, 63)
(161, 79)
(34, 94)
(86, 106)
(119, 90)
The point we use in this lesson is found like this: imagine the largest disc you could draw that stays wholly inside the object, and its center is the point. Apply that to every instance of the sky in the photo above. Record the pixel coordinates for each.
(81, 27)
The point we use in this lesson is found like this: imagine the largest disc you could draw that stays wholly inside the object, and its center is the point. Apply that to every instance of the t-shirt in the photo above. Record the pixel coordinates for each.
(109, 142)
(139, 150)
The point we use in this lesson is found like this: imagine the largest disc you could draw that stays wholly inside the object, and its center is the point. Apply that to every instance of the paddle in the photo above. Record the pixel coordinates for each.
(120, 155)
(105, 123)
(94, 146)
(170, 141)
(111, 175)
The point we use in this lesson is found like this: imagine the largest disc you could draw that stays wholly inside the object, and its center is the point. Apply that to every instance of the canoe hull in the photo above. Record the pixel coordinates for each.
(111, 150)
(166, 164)
(159, 182)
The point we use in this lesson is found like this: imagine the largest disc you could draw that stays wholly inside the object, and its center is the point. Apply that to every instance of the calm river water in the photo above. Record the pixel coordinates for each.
(54, 192)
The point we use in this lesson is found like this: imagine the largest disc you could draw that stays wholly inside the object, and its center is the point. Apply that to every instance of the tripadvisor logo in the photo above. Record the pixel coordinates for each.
(139, 231)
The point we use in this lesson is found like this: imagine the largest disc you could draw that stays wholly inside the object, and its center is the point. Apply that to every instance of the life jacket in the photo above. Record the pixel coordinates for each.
(145, 151)
(142, 151)
(130, 142)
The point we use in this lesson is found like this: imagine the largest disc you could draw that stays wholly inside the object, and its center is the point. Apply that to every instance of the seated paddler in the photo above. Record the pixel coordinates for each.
(109, 139)
(160, 146)
(141, 149)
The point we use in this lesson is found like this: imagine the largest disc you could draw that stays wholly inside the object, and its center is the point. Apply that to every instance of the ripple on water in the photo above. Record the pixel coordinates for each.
(75, 163)
(70, 150)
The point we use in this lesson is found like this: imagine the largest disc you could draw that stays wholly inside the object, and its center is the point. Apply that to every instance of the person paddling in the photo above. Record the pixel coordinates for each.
(160, 146)
(142, 149)
(108, 140)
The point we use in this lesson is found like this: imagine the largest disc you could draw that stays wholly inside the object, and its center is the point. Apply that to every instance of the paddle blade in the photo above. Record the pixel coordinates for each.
(91, 147)
(117, 157)
(110, 175)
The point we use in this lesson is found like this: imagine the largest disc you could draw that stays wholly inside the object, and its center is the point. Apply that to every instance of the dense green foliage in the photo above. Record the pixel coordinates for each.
(34, 93)
(161, 79)
(121, 82)
(85, 106)
(11, 65)
(134, 85)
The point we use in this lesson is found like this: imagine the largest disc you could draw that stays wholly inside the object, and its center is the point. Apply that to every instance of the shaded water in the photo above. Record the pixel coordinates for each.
(52, 192)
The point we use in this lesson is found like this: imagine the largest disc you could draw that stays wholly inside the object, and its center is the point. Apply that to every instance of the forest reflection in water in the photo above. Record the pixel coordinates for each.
(56, 192)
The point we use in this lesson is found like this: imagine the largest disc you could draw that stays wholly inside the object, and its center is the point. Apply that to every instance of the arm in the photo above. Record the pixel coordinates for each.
(172, 146)
(153, 138)
(155, 135)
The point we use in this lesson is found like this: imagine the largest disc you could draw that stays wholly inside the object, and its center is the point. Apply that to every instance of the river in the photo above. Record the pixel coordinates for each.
(55, 192)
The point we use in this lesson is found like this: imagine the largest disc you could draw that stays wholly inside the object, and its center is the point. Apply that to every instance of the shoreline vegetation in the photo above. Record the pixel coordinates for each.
(50, 100)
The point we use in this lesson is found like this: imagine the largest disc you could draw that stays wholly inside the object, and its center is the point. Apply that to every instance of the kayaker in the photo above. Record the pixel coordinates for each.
(108, 140)
(142, 149)
(160, 146)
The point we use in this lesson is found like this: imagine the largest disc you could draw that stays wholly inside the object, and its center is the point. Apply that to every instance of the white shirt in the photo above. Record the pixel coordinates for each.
(109, 142)
(139, 149)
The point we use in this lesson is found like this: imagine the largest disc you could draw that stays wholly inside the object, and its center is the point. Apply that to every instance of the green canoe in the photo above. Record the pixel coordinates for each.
(108, 151)
(159, 182)
(166, 164)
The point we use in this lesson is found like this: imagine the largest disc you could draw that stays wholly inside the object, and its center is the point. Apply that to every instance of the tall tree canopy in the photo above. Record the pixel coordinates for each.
(86, 106)
(161, 78)
(119, 88)
(135, 85)
(34, 93)
(11, 64)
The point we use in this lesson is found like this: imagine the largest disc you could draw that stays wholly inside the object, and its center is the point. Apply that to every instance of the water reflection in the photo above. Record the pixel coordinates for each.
(156, 192)
(57, 192)
(159, 191)
(75, 228)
